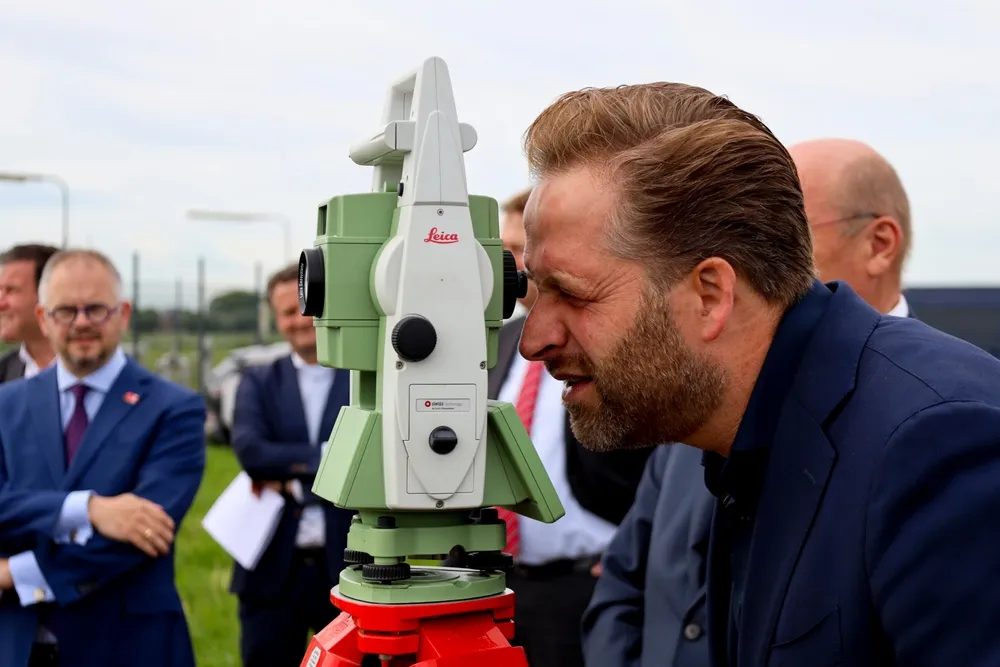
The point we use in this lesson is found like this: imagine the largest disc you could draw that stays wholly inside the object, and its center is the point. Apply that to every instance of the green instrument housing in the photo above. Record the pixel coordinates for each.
(351, 232)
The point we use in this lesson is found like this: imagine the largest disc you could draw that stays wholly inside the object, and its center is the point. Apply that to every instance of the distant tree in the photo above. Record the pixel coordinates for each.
(235, 310)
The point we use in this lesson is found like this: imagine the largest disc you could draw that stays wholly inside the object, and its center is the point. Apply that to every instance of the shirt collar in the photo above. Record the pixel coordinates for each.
(300, 364)
(901, 309)
(100, 380)
(738, 477)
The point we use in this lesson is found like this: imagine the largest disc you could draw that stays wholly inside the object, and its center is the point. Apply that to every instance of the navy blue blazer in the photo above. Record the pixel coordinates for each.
(271, 440)
(871, 542)
(114, 604)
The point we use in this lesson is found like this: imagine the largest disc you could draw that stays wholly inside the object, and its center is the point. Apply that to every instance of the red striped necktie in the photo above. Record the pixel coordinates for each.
(525, 406)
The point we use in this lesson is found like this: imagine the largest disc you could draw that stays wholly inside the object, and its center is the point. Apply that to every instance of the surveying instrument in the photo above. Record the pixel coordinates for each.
(408, 286)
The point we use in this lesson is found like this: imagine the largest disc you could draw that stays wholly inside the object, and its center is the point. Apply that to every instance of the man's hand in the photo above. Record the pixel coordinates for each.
(129, 518)
(6, 581)
(257, 488)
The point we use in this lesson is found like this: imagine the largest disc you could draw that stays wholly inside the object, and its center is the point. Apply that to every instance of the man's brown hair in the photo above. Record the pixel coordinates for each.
(288, 274)
(37, 253)
(694, 176)
(517, 203)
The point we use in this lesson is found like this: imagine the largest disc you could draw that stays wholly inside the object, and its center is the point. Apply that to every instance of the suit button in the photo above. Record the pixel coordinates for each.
(692, 631)
(39, 595)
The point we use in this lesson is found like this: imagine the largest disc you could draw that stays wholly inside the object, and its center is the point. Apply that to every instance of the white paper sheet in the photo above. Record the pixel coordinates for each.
(242, 523)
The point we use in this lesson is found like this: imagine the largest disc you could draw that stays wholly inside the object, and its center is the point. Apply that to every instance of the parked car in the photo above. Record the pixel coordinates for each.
(223, 380)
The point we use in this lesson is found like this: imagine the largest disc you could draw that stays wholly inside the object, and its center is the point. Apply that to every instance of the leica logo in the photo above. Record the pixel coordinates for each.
(434, 236)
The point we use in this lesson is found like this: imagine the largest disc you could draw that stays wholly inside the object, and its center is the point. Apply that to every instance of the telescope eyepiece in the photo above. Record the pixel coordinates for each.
(312, 282)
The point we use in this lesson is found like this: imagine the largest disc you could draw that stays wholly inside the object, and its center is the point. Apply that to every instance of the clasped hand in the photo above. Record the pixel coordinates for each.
(129, 518)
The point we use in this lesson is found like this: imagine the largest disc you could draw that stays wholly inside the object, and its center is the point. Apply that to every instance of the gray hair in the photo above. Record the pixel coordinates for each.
(64, 256)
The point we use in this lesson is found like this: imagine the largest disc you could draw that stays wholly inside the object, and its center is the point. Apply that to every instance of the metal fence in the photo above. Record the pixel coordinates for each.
(182, 329)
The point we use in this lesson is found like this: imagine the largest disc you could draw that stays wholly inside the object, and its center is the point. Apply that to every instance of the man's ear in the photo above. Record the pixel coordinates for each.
(43, 323)
(884, 242)
(712, 286)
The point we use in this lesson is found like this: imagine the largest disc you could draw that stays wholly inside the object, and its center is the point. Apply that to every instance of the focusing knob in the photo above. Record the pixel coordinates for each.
(443, 440)
(414, 338)
(515, 284)
(312, 282)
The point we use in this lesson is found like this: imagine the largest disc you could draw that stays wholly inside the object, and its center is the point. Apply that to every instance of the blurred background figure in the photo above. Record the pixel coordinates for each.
(860, 218)
(512, 234)
(285, 411)
(20, 272)
(101, 460)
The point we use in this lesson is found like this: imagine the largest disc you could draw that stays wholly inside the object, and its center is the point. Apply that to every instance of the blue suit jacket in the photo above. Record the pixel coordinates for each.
(872, 541)
(271, 441)
(114, 604)
(648, 608)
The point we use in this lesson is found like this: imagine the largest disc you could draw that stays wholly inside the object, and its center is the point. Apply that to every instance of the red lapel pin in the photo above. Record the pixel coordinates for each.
(131, 397)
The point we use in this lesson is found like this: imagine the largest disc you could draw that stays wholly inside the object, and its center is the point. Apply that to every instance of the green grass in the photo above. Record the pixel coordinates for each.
(204, 569)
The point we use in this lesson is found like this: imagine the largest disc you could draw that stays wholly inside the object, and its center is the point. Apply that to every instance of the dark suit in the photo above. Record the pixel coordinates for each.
(857, 498)
(288, 592)
(550, 598)
(642, 610)
(11, 366)
(113, 604)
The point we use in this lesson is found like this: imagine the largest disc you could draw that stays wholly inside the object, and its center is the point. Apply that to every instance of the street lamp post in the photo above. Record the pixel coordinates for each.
(243, 216)
(16, 177)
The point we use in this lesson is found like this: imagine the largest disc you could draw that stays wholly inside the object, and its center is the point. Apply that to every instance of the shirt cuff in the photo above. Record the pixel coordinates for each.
(74, 520)
(29, 582)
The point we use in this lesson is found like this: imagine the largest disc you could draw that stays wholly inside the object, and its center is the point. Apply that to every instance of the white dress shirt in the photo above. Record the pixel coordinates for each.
(578, 533)
(901, 309)
(315, 382)
(74, 523)
(31, 367)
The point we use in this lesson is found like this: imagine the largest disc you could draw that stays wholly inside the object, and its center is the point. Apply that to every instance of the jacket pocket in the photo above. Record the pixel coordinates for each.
(815, 641)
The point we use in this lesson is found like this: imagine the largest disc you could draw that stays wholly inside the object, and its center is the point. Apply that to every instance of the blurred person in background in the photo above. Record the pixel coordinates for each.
(20, 272)
(284, 414)
(859, 215)
(555, 565)
(100, 461)
(640, 610)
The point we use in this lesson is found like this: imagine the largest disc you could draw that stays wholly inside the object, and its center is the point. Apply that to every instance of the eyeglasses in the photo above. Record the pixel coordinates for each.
(95, 313)
(850, 218)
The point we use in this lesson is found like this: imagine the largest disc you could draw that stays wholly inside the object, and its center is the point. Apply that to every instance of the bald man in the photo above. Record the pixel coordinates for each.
(860, 218)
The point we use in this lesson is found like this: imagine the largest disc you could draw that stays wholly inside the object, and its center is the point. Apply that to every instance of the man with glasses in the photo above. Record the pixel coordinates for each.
(860, 218)
(99, 463)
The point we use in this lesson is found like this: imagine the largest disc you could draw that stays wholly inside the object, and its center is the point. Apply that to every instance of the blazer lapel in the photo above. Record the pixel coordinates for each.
(801, 461)
(48, 422)
(293, 407)
(113, 409)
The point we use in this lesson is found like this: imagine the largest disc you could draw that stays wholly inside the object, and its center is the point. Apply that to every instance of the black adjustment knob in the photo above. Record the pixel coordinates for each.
(414, 338)
(443, 440)
(515, 284)
(312, 282)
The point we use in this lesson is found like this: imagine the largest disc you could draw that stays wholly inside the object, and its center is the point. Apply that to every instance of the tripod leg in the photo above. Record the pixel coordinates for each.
(336, 645)
(468, 639)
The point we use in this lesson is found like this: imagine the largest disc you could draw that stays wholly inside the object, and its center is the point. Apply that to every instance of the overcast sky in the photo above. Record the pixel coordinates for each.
(148, 109)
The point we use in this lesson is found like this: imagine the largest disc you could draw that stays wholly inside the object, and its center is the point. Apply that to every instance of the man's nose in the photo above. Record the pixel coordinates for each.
(543, 335)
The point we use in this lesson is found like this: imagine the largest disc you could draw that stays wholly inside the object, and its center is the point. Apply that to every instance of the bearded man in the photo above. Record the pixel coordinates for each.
(853, 456)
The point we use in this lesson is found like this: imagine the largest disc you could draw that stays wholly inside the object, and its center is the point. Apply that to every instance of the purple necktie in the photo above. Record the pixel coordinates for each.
(77, 423)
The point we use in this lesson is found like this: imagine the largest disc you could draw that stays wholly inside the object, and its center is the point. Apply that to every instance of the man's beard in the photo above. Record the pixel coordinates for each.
(652, 389)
